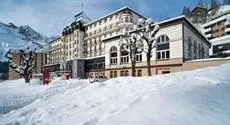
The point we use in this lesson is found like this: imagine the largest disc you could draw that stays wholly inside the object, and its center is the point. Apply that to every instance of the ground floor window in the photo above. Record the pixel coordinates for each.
(124, 73)
(139, 73)
(165, 72)
(113, 74)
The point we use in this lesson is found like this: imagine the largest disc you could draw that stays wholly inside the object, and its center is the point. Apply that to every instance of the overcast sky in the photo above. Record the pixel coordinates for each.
(49, 17)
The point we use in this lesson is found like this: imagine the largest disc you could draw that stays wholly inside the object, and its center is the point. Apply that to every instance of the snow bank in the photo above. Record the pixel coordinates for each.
(196, 97)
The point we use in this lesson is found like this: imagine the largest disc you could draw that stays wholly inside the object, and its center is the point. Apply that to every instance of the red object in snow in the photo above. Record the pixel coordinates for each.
(46, 76)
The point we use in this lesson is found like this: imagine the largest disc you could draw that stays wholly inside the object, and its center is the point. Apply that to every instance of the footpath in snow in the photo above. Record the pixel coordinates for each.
(199, 97)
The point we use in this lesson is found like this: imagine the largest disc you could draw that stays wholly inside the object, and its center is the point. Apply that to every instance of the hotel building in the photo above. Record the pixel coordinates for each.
(91, 48)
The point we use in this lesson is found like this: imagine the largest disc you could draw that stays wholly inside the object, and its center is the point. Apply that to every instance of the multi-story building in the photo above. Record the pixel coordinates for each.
(217, 30)
(56, 50)
(97, 43)
(106, 27)
(40, 62)
(177, 41)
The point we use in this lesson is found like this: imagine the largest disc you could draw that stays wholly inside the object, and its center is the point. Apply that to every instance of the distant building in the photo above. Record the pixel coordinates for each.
(217, 30)
(40, 62)
(214, 23)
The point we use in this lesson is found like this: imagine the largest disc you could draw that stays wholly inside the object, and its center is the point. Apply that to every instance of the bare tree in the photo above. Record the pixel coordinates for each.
(129, 42)
(26, 66)
(147, 30)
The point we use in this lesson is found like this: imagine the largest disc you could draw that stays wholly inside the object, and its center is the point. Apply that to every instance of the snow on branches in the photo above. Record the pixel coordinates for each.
(26, 65)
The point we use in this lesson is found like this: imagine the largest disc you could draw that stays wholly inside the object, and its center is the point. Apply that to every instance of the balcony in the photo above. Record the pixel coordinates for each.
(227, 30)
(227, 23)
(208, 35)
(207, 30)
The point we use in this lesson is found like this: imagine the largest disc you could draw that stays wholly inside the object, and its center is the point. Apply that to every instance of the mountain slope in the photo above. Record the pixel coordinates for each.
(15, 38)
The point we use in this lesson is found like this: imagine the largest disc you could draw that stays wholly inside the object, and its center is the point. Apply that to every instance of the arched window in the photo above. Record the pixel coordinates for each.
(189, 48)
(113, 55)
(138, 56)
(163, 47)
(195, 49)
(200, 51)
(124, 54)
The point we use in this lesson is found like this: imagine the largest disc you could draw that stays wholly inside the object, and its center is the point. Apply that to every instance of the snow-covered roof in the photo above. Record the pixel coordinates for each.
(223, 8)
(221, 12)
(126, 7)
(189, 22)
(209, 59)
(55, 38)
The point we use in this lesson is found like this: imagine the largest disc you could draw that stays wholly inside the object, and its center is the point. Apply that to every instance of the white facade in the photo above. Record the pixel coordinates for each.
(178, 33)
(106, 27)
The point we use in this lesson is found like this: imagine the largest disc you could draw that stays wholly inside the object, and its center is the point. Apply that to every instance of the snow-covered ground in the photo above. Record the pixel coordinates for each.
(199, 97)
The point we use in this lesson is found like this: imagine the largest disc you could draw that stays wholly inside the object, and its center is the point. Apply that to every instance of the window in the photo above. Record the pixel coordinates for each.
(111, 74)
(200, 51)
(138, 56)
(126, 19)
(113, 55)
(165, 72)
(163, 47)
(124, 54)
(139, 73)
(115, 74)
(189, 48)
(203, 53)
(195, 50)
(124, 73)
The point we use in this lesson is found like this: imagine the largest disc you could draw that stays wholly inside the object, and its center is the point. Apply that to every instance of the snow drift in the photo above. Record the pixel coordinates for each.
(195, 97)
